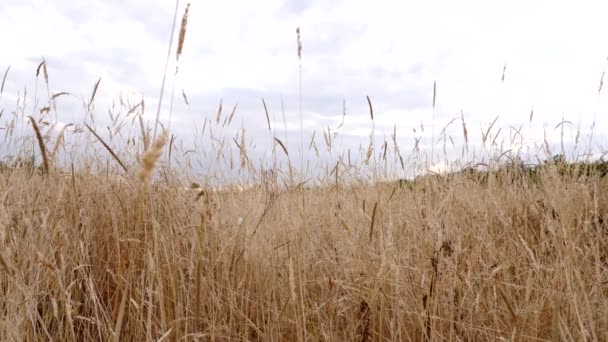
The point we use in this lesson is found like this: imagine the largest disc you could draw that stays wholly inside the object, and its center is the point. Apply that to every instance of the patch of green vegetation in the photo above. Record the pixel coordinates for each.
(519, 173)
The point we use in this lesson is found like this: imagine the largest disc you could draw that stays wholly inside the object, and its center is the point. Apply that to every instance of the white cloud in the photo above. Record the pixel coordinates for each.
(391, 50)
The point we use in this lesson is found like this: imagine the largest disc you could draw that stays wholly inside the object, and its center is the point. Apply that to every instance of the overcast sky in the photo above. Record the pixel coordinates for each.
(393, 51)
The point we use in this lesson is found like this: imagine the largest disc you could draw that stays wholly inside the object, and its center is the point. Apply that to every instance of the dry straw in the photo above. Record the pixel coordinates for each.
(182, 32)
(162, 87)
(178, 53)
(45, 73)
(465, 132)
(114, 155)
(262, 265)
(299, 41)
(93, 94)
(4, 80)
(59, 141)
(45, 162)
(150, 157)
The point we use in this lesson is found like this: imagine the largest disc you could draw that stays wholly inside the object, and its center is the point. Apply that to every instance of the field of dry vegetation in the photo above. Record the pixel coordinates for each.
(88, 258)
(112, 243)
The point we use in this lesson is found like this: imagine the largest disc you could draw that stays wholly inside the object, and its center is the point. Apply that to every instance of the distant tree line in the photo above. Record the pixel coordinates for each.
(518, 172)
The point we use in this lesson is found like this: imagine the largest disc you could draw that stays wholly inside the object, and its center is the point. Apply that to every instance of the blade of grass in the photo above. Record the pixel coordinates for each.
(108, 148)
(41, 145)
(93, 94)
(4, 80)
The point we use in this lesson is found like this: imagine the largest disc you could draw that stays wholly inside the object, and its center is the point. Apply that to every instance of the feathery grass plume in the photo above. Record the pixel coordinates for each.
(171, 148)
(370, 149)
(4, 80)
(52, 101)
(496, 136)
(150, 157)
(185, 98)
(416, 144)
(267, 116)
(219, 112)
(182, 32)
(371, 109)
(45, 73)
(39, 68)
(242, 149)
(313, 144)
(327, 137)
(144, 133)
(465, 133)
(312, 139)
(134, 108)
(62, 93)
(372, 138)
(485, 135)
(60, 139)
(396, 147)
(599, 90)
(231, 115)
(282, 145)
(93, 94)
(299, 43)
(45, 162)
(595, 112)
(531, 115)
(385, 147)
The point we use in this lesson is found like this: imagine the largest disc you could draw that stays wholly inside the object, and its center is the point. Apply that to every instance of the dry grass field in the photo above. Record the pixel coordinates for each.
(123, 248)
(92, 258)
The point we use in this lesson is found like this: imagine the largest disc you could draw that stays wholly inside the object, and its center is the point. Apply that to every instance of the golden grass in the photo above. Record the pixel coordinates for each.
(41, 145)
(182, 32)
(88, 256)
(447, 260)
(151, 157)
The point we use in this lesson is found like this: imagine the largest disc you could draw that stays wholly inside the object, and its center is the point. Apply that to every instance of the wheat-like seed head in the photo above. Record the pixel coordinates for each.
(299, 43)
(41, 144)
(465, 132)
(59, 140)
(243, 151)
(4, 80)
(182, 32)
(150, 157)
(370, 150)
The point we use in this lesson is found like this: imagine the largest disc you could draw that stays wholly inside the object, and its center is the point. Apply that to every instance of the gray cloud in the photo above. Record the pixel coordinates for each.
(400, 87)
(296, 6)
(118, 64)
